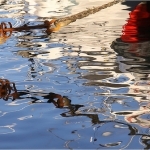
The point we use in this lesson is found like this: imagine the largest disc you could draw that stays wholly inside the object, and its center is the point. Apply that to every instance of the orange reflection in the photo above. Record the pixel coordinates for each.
(6, 29)
(8, 90)
(4, 35)
(62, 101)
(59, 101)
(137, 28)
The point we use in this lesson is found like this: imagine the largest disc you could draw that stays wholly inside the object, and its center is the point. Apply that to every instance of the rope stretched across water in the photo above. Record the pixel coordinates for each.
(67, 20)
(6, 31)
(58, 22)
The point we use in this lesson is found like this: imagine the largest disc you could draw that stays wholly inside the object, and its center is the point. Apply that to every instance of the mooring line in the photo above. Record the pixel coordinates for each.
(67, 20)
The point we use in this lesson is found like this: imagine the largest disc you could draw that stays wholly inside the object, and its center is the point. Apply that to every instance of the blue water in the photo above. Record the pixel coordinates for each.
(77, 88)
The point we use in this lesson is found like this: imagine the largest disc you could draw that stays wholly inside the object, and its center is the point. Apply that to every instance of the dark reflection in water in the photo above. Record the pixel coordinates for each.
(137, 55)
(134, 43)
(137, 27)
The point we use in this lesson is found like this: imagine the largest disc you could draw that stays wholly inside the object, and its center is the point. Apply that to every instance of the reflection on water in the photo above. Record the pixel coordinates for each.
(84, 87)
(7, 90)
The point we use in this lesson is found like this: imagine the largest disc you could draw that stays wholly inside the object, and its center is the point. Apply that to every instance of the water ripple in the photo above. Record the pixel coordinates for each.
(82, 86)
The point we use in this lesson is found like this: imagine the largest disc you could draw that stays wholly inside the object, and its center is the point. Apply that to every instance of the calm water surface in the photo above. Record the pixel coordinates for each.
(79, 88)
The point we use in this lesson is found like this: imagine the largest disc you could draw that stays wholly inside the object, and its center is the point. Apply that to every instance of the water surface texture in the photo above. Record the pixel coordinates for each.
(79, 88)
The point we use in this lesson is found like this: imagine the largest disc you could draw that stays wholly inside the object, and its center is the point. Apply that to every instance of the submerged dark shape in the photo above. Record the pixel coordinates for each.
(8, 90)
(60, 102)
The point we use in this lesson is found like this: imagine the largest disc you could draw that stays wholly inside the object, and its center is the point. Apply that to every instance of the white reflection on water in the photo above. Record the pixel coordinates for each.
(49, 8)
(3, 113)
(7, 129)
(25, 117)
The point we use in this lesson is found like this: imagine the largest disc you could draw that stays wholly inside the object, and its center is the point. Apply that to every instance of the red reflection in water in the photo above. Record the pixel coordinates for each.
(137, 28)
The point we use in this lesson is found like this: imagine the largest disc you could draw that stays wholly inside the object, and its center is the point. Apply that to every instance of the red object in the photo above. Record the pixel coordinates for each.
(137, 28)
